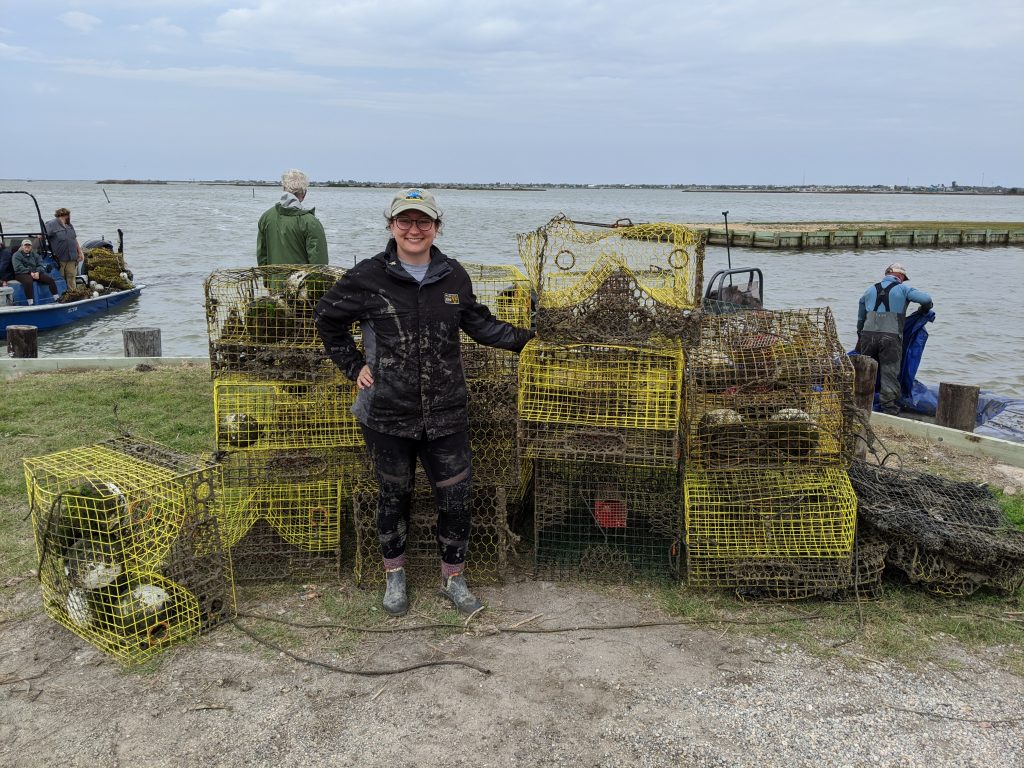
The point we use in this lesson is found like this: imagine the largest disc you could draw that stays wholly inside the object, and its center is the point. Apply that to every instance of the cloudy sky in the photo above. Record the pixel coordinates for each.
(732, 91)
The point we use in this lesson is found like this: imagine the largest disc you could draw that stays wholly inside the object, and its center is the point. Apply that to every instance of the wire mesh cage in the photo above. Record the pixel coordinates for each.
(768, 389)
(615, 404)
(265, 415)
(606, 522)
(626, 284)
(741, 524)
(282, 512)
(504, 290)
(130, 553)
(486, 558)
(951, 537)
(260, 319)
(492, 386)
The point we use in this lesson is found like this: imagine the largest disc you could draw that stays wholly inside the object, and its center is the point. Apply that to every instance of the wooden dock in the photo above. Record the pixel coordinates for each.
(846, 236)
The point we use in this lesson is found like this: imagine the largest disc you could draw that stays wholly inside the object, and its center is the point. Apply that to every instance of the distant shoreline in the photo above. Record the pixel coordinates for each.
(829, 189)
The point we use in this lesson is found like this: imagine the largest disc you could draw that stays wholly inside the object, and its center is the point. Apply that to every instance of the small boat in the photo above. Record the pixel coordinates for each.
(46, 311)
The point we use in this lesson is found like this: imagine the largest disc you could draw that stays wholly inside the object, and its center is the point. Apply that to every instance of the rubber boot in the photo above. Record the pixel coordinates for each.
(396, 602)
(454, 588)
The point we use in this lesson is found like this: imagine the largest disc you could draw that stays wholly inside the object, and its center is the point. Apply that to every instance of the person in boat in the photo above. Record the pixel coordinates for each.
(289, 233)
(28, 270)
(880, 318)
(411, 300)
(64, 245)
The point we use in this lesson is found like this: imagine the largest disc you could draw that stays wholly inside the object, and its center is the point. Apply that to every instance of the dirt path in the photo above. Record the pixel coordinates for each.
(663, 696)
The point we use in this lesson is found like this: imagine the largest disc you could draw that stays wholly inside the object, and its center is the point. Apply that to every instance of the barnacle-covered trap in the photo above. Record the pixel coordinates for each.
(623, 284)
(274, 415)
(770, 528)
(768, 389)
(599, 402)
(261, 319)
(951, 537)
(130, 553)
(606, 522)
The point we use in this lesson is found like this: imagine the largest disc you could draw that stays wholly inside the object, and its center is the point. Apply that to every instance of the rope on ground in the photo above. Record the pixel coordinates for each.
(534, 630)
(359, 672)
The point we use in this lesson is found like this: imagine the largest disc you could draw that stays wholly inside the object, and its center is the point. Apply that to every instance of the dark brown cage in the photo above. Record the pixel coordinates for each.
(768, 389)
(951, 537)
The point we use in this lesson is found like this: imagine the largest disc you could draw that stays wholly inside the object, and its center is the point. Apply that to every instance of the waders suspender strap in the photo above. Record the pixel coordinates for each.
(882, 296)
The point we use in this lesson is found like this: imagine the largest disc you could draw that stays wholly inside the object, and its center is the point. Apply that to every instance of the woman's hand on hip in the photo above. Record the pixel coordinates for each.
(365, 379)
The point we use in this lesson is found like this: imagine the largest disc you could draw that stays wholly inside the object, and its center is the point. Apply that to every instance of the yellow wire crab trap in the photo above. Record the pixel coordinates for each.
(626, 284)
(606, 522)
(581, 402)
(262, 318)
(282, 512)
(740, 517)
(768, 389)
(504, 290)
(130, 553)
(264, 415)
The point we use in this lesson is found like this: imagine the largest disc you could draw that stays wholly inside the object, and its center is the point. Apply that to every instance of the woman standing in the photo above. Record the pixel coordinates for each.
(411, 301)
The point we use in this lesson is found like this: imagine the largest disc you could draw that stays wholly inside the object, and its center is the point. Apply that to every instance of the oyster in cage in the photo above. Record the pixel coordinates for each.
(792, 433)
(305, 288)
(720, 436)
(239, 430)
(91, 565)
(95, 505)
(77, 607)
(144, 605)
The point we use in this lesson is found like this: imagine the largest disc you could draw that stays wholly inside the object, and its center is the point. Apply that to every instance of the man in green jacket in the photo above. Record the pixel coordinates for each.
(289, 233)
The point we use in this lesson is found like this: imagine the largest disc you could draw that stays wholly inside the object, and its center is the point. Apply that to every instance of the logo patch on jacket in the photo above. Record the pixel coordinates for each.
(451, 298)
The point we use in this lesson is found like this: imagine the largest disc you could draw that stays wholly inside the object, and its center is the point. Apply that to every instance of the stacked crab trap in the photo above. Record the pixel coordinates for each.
(286, 439)
(769, 505)
(130, 553)
(601, 396)
(500, 476)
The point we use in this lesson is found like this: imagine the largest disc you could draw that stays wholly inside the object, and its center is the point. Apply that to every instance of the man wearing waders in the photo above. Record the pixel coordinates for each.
(883, 308)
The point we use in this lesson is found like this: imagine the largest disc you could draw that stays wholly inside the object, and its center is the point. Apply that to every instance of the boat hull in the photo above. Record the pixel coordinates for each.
(54, 315)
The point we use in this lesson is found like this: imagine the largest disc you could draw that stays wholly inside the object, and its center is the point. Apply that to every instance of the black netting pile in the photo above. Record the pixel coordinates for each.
(950, 537)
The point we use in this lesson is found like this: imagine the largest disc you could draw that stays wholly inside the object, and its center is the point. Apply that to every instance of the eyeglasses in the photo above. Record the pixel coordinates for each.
(405, 223)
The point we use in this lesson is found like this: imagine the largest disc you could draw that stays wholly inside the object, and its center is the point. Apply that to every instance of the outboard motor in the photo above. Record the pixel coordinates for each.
(90, 244)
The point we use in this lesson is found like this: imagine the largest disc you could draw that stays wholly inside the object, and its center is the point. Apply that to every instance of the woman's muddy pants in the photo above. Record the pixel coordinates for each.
(446, 462)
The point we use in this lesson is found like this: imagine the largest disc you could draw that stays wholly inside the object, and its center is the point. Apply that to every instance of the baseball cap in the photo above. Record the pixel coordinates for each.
(414, 199)
(26, 242)
(898, 268)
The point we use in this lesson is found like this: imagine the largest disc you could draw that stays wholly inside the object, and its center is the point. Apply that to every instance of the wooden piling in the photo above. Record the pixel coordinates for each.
(865, 373)
(141, 342)
(958, 406)
(22, 341)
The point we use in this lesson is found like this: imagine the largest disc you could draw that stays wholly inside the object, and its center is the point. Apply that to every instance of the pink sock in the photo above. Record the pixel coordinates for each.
(391, 563)
(448, 570)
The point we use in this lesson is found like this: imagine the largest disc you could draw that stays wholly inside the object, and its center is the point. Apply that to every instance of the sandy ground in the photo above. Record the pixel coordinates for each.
(677, 695)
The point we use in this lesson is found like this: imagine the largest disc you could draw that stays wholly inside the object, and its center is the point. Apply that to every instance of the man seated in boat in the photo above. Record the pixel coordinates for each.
(28, 270)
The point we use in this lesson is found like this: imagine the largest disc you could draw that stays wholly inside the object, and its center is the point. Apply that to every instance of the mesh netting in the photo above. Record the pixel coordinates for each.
(741, 517)
(260, 320)
(130, 553)
(262, 555)
(606, 522)
(260, 414)
(488, 542)
(768, 389)
(504, 290)
(951, 537)
(623, 285)
(600, 403)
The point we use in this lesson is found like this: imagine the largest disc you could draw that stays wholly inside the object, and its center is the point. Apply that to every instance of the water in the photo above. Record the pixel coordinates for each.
(175, 235)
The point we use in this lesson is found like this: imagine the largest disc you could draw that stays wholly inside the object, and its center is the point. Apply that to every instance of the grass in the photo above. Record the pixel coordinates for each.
(45, 413)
